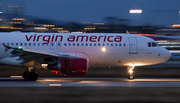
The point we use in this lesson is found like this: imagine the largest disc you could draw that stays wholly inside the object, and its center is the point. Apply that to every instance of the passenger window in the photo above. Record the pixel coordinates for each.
(107, 44)
(73, 44)
(16, 44)
(34, 44)
(69, 44)
(149, 44)
(90, 44)
(64, 44)
(119, 44)
(99, 44)
(86, 44)
(124, 44)
(21, 44)
(115, 44)
(25, 44)
(82, 44)
(12, 44)
(94, 44)
(103, 44)
(59, 44)
(111, 44)
(46, 44)
(38, 44)
(29, 44)
(42, 44)
(77, 44)
(8, 44)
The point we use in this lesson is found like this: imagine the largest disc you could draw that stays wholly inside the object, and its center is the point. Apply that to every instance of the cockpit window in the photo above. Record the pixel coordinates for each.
(152, 44)
(157, 44)
(149, 44)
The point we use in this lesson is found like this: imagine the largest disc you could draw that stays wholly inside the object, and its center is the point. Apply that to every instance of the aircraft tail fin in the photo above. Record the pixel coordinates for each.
(127, 32)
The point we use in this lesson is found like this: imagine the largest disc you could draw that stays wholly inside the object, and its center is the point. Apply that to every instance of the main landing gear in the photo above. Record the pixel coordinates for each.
(30, 74)
(130, 72)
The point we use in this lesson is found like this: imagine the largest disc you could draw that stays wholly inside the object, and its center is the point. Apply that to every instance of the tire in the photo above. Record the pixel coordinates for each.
(33, 76)
(130, 77)
(26, 75)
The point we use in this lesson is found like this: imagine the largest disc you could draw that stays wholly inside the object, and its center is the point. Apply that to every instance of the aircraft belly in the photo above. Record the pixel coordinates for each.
(108, 59)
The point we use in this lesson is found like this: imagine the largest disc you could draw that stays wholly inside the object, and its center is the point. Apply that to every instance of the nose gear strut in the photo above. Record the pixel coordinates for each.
(130, 72)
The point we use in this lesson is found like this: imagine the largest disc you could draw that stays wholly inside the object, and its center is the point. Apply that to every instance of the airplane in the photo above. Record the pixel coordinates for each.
(71, 54)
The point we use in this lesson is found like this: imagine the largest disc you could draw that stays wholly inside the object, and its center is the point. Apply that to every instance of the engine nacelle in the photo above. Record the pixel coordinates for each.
(71, 66)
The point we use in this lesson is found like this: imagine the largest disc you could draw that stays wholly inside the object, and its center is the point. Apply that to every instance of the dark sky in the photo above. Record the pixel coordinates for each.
(154, 11)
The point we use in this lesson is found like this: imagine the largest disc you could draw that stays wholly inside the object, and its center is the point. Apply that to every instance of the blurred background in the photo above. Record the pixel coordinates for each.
(158, 19)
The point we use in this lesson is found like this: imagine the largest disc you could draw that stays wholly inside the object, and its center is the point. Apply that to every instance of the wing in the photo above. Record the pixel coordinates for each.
(27, 55)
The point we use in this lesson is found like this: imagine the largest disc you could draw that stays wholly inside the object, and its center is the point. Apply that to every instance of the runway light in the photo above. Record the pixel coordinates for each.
(54, 84)
(16, 76)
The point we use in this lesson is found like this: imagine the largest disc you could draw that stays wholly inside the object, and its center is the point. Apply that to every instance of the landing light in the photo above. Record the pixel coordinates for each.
(130, 71)
(103, 49)
(44, 64)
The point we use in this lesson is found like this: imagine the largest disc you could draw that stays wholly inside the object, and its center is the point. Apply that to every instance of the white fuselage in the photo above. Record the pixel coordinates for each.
(101, 49)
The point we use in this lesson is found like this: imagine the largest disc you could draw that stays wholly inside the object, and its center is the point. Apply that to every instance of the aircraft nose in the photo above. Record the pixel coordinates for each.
(166, 55)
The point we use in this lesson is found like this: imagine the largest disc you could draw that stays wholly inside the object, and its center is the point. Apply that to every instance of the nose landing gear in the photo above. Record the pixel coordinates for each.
(130, 72)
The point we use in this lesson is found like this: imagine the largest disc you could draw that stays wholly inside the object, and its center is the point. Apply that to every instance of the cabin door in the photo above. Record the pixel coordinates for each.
(133, 46)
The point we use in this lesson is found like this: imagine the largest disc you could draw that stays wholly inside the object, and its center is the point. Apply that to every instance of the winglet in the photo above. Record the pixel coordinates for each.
(127, 32)
(6, 47)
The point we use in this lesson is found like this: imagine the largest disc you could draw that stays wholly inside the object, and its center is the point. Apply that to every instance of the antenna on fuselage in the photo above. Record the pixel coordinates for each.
(127, 32)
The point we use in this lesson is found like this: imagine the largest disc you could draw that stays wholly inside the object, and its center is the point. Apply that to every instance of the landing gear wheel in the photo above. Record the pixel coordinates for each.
(26, 75)
(33, 76)
(130, 77)
(130, 72)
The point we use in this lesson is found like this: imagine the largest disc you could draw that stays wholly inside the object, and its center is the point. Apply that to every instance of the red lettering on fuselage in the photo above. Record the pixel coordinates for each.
(82, 38)
(73, 38)
(34, 37)
(93, 38)
(45, 38)
(59, 36)
(39, 37)
(109, 39)
(28, 39)
(99, 38)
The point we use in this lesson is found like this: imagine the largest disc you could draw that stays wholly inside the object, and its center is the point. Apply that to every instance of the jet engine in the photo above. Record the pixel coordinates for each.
(70, 67)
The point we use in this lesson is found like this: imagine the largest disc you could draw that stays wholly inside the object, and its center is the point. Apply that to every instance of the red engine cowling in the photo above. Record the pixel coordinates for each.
(71, 67)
